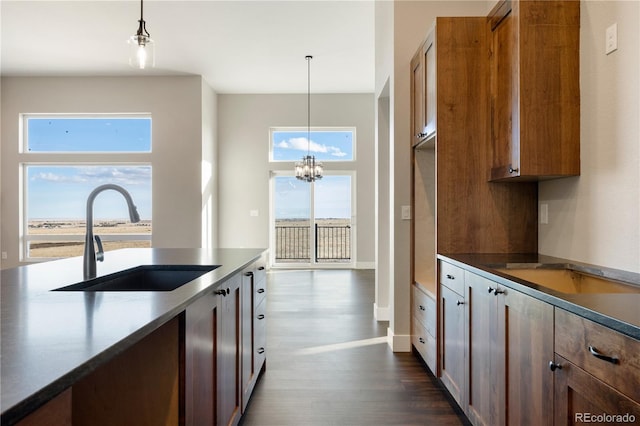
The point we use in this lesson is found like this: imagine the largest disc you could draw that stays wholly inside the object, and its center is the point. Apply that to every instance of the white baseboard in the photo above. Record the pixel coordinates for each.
(365, 265)
(398, 342)
(380, 314)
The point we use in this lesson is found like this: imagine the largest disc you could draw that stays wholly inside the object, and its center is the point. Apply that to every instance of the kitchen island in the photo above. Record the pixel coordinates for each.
(53, 339)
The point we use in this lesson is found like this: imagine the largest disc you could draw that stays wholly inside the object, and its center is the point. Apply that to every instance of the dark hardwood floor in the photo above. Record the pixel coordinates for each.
(328, 362)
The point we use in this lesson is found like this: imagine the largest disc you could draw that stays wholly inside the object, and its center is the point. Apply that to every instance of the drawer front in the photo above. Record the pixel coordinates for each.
(260, 336)
(606, 354)
(425, 343)
(452, 277)
(424, 310)
(259, 285)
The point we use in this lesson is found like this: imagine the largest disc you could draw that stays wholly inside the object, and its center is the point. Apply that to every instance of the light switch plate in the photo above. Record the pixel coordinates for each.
(406, 213)
(544, 214)
(611, 39)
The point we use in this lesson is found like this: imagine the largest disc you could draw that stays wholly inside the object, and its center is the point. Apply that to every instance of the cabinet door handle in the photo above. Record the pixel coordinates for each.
(450, 277)
(512, 170)
(261, 268)
(248, 274)
(260, 350)
(458, 303)
(599, 355)
(261, 290)
(221, 292)
(421, 308)
(490, 290)
(497, 292)
(261, 316)
(421, 340)
(553, 366)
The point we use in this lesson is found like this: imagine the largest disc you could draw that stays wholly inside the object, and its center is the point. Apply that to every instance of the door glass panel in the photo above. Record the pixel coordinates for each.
(332, 212)
(292, 208)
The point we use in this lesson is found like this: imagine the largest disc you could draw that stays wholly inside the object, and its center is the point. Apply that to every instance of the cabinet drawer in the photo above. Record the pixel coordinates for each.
(452, 277)
(260, 285)
(425, 343)
(260, 336)
(606, 354)
(424, 310)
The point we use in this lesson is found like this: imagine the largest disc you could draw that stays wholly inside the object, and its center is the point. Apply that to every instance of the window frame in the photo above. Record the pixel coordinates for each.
(74, 159)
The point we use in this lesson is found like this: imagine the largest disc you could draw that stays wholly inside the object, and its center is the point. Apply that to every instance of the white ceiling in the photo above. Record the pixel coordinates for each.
(237, 46)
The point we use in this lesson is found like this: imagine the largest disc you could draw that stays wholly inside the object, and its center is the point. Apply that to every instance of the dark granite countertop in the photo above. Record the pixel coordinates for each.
(618, 311)
(51, 339)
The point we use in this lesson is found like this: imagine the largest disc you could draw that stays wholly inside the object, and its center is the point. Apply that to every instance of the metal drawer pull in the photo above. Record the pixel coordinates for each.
(261, 316)
(450, 277)
(261, 350)
(490, 290)
(458, 303)
(261, 268)
(248, 274)
(421, 308)
(261, 290)
(553, 366)
(421, 340)
(597, 354)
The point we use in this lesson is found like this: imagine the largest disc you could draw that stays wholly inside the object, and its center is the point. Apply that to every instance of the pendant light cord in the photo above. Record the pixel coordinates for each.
(309, 105)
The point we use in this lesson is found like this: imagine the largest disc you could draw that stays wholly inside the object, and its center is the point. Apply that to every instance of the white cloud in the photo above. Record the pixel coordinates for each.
(97, 175)
(302, 144)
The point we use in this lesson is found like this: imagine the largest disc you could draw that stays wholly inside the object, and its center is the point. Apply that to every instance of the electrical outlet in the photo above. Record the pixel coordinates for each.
(254, 213)
(611, 36)
(4, 255)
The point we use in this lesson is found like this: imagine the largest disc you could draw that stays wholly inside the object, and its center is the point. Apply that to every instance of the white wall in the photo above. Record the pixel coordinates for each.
(244, 169)
(176, 107)
(595, 218)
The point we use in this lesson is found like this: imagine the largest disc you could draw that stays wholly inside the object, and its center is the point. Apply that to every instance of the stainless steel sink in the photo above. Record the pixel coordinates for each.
(143, 278)
(570, 281)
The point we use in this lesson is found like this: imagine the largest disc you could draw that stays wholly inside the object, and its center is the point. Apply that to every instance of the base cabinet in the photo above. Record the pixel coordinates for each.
(496, 345)
(596, 373)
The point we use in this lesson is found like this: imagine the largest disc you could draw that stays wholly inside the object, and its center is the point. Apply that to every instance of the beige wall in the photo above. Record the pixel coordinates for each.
(176, 107)
(595, 218)
(244, 169)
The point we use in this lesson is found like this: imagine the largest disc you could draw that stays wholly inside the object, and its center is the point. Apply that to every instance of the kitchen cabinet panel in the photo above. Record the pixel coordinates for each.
(535, 89)
(453, 351)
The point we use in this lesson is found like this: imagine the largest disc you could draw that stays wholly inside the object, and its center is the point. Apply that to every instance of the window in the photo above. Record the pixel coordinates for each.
(63, 158)
(334, 144)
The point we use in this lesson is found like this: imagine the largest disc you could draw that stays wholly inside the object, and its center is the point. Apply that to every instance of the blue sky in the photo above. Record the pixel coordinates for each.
(334, 145)
(61, 191)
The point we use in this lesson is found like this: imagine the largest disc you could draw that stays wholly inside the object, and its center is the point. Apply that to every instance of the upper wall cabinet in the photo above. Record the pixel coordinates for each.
(535, 89)
(423, 91)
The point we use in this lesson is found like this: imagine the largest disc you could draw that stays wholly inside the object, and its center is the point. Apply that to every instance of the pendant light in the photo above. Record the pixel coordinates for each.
(308, 169)
(141, 46)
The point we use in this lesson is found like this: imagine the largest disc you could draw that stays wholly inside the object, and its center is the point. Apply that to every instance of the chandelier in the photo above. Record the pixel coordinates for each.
(141, 46)
(309, 169)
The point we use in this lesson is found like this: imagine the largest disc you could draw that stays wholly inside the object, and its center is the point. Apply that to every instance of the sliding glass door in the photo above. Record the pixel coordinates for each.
(312, 222)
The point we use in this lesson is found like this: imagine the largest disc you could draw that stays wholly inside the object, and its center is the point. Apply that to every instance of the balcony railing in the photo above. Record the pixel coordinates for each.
(332, 243)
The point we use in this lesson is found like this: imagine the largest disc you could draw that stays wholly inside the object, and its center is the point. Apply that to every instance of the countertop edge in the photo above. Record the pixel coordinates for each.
(548, 296)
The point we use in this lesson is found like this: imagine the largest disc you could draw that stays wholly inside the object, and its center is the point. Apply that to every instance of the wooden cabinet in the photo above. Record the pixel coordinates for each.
(453, 350)
(535, 89)
(423, 327)
(481, 339)
(496, 345)
(597, 371)
(56, 412)
(212, 357)
(253, 328)
(510, 340)
(525, 343)
(423, 91)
